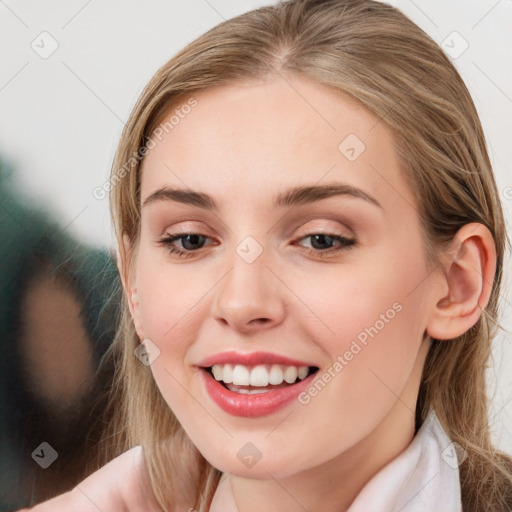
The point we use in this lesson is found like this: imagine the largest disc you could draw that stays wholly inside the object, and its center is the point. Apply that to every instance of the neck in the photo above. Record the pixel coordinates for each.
(335, 484)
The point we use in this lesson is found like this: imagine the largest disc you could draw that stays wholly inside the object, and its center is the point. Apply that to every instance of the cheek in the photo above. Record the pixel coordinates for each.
(373, 299)
(168, 296)
(170, 305)
(169, 308)
(373, 320)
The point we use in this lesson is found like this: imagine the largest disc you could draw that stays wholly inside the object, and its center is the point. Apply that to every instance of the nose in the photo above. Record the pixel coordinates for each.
(249, 298)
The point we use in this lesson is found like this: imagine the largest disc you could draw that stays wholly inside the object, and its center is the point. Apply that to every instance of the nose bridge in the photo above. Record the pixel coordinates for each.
(249, 295)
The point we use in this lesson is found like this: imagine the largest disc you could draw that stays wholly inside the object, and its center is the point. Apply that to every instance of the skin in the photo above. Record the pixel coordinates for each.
(243, 144)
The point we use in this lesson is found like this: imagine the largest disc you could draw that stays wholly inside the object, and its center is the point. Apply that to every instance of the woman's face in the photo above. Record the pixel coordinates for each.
(334, 281)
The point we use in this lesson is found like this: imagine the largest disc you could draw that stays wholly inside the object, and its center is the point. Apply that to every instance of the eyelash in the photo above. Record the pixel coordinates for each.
(346, 243)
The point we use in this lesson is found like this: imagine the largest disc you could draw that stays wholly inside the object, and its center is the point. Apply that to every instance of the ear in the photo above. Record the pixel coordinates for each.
(123, 257)
(469, 275)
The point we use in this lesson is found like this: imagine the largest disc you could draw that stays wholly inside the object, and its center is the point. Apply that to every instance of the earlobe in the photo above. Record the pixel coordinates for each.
(134, 310)
(469, 276)
(123, 256)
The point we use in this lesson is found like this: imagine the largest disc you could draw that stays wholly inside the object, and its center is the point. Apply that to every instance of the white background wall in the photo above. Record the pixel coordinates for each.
(61, 117)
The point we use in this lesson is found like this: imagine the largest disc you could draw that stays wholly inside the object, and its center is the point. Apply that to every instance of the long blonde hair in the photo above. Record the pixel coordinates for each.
(374, 53)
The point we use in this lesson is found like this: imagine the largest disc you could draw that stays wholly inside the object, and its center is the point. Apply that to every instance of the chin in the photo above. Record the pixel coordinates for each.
(260, 470)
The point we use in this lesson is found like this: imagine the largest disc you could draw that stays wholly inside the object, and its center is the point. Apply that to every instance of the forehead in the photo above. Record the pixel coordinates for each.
(254, 139)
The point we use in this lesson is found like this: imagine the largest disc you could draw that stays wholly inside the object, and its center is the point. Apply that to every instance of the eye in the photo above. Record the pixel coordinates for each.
(319, 240)
(189, 243)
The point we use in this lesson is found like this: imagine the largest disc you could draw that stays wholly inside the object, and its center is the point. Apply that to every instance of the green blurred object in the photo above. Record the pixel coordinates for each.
(30, 241)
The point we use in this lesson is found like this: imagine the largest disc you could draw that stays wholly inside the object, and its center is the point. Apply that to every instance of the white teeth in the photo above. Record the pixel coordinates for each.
(250, 391)
(223, 372)
(302, 373)
(227, 374)
(290, 374)
(260, 375)
(241, 375)
(276, 375)
(217, 371)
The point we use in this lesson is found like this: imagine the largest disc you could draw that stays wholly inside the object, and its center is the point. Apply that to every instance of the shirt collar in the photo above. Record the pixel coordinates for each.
(424, 477)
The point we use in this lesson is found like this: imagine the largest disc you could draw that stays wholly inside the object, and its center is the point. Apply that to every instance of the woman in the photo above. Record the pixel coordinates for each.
(259, 369)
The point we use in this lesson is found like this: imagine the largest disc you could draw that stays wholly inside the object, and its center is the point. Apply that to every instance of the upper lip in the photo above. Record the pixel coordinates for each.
(250, 359)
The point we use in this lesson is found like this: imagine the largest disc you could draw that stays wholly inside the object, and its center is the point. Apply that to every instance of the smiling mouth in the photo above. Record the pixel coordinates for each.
(260, 378)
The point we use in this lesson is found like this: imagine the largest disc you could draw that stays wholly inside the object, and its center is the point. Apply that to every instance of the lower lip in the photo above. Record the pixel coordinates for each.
(250, 406)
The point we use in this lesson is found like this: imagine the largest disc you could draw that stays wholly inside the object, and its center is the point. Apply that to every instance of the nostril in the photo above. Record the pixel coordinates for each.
(260, 320)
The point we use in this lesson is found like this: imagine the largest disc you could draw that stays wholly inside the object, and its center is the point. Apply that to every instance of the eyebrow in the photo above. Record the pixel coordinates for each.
(293, 196)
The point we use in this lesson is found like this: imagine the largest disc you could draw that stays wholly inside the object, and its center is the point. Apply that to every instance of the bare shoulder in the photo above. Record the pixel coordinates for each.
(121, 485)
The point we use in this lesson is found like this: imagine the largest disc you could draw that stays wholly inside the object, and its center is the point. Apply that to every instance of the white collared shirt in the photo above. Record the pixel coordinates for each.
(423, 478)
